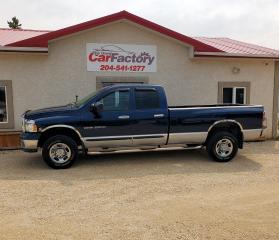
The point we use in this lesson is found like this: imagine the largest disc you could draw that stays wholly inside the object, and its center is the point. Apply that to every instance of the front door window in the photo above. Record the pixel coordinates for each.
(116, 101)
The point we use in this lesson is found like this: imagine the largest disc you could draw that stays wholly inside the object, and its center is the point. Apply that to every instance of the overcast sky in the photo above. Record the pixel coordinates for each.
(255, 21)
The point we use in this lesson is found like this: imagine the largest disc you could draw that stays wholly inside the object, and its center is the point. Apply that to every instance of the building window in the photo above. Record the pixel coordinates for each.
(107, 81)
(6, 105)
(3, 105)
(235, 95)
(234, 92)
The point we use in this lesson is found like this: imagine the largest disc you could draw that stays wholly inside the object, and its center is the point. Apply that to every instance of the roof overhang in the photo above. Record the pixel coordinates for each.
(24, 49)
(234, 55)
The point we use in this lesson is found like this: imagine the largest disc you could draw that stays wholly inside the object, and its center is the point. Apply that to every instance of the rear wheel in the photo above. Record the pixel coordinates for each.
(222, 146)
(60, 152)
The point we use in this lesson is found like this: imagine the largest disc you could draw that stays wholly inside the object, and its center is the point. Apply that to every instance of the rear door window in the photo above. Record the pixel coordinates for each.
(147, 99)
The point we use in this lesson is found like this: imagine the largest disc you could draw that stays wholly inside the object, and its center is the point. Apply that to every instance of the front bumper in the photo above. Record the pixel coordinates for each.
(29, 142)
(29, 145)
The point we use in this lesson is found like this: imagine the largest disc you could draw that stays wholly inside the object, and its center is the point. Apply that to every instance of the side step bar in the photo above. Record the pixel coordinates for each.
(110, 151)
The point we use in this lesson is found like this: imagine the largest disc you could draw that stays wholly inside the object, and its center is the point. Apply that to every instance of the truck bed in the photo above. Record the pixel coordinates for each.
(194, 121)
(214, 106)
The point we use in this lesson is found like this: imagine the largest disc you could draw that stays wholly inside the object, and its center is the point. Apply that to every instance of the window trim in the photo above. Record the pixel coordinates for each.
(234, 85)
(9, 104)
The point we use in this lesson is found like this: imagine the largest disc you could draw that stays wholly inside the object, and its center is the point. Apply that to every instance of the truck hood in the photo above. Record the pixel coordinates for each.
(48, 112)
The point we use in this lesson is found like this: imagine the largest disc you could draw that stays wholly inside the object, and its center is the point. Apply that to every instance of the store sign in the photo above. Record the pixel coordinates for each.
(121, 57)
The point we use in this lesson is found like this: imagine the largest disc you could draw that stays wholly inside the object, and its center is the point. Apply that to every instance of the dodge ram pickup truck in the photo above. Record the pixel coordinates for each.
(137, 116)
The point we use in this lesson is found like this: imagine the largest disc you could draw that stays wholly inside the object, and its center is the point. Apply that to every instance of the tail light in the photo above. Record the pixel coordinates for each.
(264, 123)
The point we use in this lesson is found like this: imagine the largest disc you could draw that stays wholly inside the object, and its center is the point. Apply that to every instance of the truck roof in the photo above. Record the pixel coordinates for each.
(131, 85)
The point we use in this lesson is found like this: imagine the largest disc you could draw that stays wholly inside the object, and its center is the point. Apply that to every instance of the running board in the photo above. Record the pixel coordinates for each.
(145, 150)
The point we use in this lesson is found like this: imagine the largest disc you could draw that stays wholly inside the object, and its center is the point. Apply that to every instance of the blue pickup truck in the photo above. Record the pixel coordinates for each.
(130, 116)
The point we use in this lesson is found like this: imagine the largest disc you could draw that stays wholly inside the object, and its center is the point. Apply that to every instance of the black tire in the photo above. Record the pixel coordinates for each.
(216, 152)
(69, 149)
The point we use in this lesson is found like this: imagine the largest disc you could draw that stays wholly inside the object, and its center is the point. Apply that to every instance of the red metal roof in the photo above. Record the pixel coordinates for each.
(203, 45)
(42, 40)
(228, 45)
(8, 35)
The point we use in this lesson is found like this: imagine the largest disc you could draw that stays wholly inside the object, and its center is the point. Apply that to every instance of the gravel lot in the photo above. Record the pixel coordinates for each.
(147, 195)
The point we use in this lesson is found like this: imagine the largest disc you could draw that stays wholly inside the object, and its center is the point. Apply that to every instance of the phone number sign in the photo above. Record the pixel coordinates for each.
(121, 57)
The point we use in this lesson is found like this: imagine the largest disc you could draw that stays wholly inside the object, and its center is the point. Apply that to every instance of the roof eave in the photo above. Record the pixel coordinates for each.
(235, 55)
(24, 49)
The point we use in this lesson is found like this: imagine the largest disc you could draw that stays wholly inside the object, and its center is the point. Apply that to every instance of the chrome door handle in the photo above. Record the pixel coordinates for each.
(159, 115)
(124, 117)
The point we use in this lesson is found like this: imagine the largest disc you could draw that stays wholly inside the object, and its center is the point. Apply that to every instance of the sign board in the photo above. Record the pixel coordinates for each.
(121, 57)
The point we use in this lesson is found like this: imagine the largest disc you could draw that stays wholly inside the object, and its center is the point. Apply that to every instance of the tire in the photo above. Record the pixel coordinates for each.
(221, 153)
(59, 152)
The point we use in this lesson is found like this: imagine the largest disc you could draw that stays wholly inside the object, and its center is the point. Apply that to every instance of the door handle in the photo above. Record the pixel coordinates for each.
(159, 115)
(124, 117)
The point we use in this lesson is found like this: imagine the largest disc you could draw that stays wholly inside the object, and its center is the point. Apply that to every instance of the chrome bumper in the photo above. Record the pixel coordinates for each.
(29, 145)
(253, 134)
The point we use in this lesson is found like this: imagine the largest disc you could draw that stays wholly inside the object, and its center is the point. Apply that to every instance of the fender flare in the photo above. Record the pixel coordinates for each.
(65, 126)
(225, 121)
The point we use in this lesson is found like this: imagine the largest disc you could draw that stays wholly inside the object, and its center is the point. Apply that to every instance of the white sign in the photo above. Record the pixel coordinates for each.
(121, 57)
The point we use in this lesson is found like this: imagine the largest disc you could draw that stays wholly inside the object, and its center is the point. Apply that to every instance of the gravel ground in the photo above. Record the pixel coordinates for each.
(147, 195)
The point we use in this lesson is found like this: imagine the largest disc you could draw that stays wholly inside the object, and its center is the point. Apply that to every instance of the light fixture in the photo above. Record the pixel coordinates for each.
(235, 70)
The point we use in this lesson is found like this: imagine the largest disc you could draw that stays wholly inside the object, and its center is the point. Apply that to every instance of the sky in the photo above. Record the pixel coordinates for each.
(254, 21)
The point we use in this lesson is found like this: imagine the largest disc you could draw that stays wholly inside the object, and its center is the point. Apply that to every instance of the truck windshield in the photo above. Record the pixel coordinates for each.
(85, 99)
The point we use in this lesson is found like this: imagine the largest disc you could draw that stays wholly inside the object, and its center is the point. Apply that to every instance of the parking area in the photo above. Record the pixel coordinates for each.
(146, 195)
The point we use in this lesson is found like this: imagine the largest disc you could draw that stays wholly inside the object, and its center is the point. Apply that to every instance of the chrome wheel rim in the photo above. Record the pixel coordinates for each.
(60, 153)
(224, 147)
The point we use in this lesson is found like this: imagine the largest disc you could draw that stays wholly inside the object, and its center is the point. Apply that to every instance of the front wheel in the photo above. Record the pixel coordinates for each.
(59, 152)
(222, 146)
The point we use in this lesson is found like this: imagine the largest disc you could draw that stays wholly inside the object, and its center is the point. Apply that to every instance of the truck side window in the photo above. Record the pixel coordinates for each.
(147, 99)
(116, 101)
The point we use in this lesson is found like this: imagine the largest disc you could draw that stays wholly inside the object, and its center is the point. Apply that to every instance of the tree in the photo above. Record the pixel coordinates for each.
(14, 24)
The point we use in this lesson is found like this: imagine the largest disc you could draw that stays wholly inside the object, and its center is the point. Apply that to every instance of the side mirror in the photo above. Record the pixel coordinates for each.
(97, 108)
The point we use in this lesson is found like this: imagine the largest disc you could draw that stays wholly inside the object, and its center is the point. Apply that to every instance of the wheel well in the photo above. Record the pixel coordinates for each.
(59, 131)
(230, 127)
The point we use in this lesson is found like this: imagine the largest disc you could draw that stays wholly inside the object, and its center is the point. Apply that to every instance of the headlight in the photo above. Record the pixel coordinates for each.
(30, 126)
